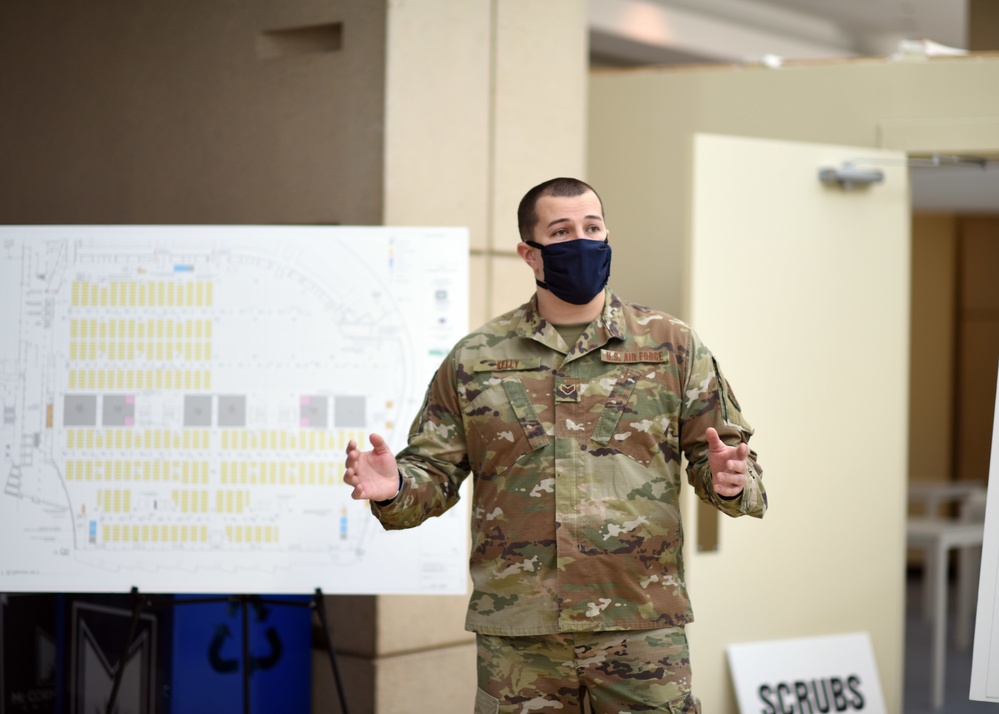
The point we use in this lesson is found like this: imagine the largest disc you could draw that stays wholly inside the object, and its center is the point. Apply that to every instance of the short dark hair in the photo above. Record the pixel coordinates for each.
(527, 215)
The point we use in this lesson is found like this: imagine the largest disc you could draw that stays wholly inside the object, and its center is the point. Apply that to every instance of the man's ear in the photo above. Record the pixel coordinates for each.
(529, 255)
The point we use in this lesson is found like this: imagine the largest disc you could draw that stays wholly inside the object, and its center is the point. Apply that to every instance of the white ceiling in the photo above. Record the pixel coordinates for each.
(675, 31)
(956, 189)
(644, 32)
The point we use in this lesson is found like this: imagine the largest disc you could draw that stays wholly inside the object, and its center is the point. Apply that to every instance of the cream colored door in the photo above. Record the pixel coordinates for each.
(802, 292)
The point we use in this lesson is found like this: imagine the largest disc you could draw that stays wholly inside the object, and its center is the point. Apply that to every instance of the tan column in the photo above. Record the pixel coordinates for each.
(483, 99)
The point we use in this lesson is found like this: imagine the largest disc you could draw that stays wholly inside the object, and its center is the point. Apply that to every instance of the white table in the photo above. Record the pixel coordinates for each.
(938, 536)
(933, 493)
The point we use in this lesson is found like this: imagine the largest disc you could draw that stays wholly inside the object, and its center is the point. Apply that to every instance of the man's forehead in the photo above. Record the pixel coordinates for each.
(587, 202)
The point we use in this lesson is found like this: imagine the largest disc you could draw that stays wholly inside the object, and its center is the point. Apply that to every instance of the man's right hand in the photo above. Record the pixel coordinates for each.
(373, 474)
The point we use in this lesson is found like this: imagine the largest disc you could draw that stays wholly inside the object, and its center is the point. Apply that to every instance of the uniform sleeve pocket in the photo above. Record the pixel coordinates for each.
(485, 703)
(501, 425)
(731, 411)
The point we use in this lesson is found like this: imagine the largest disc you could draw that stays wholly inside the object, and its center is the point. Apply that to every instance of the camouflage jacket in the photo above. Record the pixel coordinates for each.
(576, 452)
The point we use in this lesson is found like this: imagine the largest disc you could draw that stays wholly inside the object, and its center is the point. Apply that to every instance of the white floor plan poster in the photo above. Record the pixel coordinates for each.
(176, 401)
(985, 657)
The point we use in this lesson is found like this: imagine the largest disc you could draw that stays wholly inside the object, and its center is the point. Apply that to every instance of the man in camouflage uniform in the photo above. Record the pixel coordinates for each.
(572, 412)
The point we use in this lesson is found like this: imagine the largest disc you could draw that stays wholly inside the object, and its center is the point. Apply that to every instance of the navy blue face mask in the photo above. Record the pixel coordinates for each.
(575, 270)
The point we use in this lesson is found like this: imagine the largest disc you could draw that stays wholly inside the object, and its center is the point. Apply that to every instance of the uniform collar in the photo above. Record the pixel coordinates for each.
(610, 324)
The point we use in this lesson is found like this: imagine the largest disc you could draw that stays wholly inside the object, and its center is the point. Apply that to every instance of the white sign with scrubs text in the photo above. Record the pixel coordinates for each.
(836, 673)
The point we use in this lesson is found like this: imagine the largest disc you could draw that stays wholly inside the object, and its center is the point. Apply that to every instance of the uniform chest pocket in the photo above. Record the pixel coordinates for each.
(501, 426)
(631, 421)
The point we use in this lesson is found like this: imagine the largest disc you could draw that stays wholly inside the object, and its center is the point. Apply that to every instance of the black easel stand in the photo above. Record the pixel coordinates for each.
(139, 603)
(142, 602)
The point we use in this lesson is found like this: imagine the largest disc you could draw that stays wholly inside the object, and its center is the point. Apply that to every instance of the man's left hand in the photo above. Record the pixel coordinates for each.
(729, 465)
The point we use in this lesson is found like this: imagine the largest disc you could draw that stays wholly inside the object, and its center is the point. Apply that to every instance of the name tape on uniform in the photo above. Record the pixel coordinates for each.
(634, 356)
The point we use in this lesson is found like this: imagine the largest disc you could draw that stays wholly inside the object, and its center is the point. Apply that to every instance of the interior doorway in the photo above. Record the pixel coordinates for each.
(955, 320)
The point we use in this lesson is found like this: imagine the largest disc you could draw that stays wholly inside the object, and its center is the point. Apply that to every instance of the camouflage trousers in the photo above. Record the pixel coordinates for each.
(572, 673)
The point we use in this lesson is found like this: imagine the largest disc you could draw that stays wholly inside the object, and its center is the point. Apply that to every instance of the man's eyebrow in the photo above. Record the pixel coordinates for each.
(564, 220)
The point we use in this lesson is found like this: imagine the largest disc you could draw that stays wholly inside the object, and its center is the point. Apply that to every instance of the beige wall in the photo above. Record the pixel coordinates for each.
(922, 105)
(176, 112)
(642, 124)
